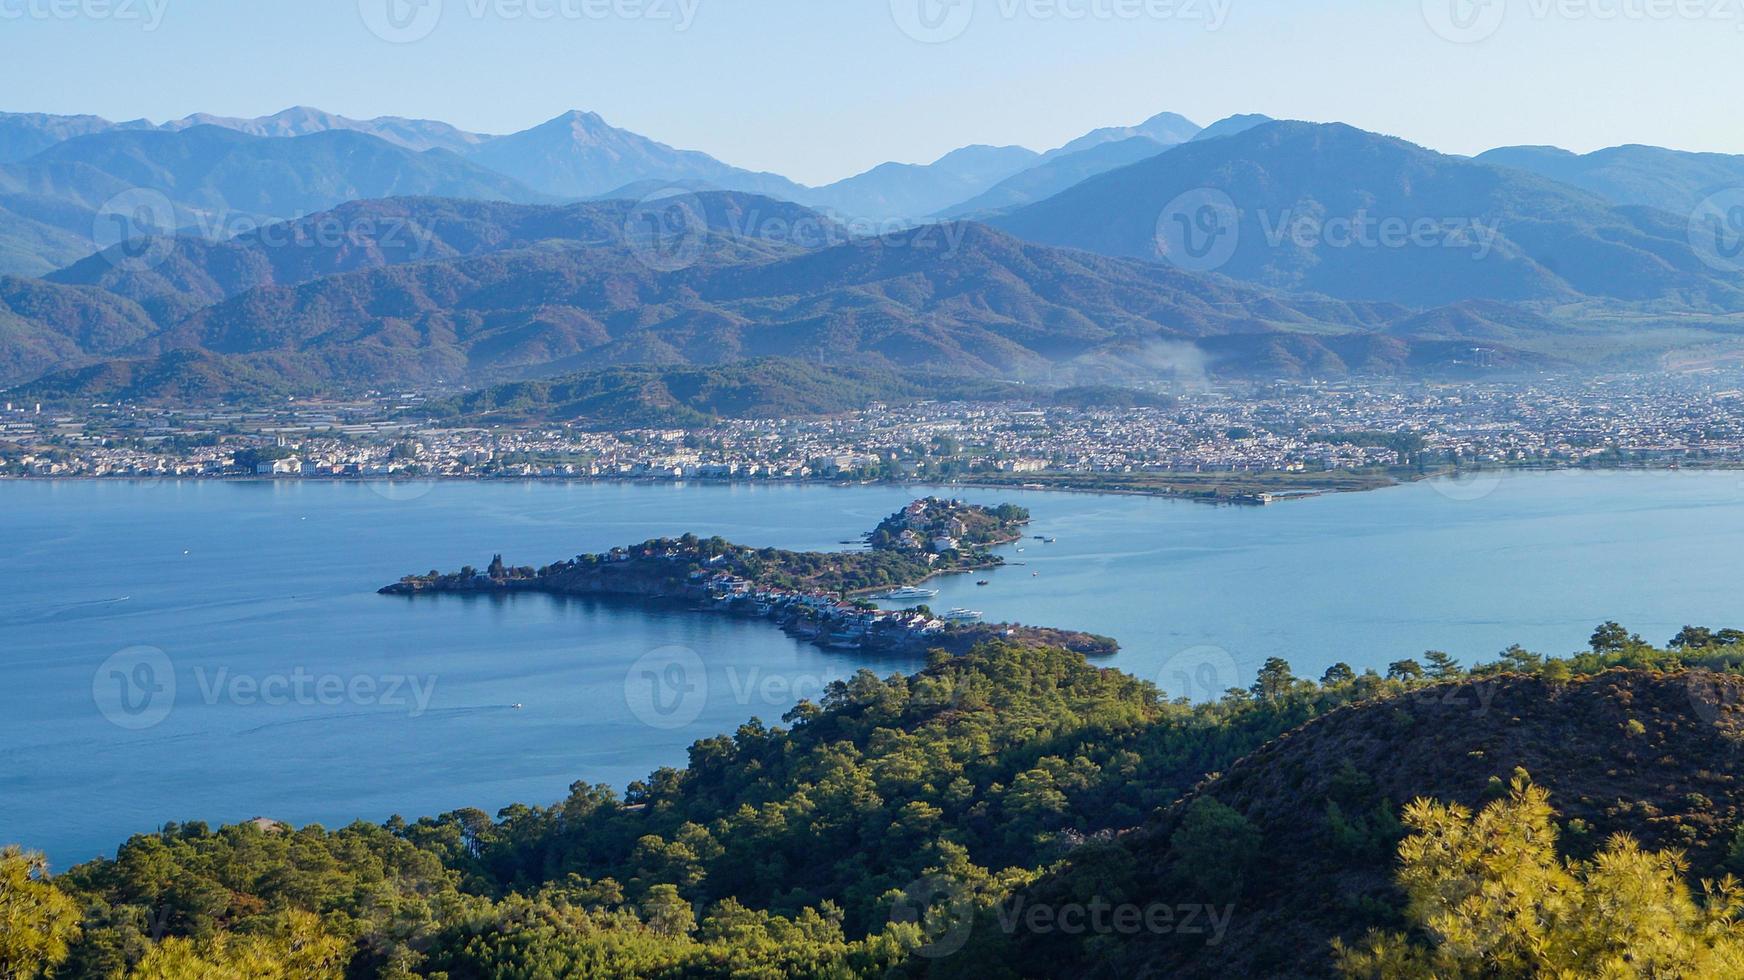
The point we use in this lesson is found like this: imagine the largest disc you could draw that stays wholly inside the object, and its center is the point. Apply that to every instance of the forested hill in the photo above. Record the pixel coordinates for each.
(769, 387)
(902, 825)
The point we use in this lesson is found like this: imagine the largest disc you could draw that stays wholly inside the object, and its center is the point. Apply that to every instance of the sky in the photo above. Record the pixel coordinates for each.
(822, 89)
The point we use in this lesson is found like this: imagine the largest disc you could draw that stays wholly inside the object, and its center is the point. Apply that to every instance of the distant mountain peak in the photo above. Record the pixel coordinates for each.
(1233, 125)
(1166, 128)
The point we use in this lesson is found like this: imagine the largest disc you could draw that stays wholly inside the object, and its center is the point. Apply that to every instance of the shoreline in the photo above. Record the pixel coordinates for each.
(1212, 494)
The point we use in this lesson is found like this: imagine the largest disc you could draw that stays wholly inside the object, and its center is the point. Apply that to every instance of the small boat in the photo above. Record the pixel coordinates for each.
(983, 582)
(516, 706)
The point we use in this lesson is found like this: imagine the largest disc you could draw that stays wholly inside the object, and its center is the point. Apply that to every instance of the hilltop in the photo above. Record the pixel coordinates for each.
(1647, 753)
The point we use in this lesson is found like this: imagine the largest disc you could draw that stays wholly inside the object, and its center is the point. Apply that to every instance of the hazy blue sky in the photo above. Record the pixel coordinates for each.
(819, 89)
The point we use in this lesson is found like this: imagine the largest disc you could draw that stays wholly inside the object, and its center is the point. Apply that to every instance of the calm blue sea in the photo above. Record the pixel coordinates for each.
(216, 651)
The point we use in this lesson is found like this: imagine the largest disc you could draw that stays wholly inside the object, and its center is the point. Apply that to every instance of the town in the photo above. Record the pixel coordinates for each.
(1293, 431)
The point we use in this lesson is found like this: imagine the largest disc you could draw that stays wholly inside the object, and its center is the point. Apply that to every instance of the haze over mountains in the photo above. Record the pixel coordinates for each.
(150, 260)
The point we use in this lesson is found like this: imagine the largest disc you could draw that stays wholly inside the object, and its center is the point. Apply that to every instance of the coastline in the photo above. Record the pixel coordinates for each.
(1221, 494)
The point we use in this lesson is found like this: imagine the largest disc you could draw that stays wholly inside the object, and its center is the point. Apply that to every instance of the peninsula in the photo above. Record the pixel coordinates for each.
(823, 597)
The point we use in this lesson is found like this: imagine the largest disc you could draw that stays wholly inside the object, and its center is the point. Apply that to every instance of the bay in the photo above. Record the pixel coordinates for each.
(301, 695)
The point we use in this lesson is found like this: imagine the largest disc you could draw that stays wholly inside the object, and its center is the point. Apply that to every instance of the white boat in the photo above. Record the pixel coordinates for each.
(963, 616)
(909, 592)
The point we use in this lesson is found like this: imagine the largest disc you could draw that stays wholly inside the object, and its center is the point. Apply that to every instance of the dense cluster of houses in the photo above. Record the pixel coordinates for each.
(821, 617)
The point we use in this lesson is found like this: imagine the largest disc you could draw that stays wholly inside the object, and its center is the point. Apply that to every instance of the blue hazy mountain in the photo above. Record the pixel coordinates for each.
(1166, 128)
(579, 155)
(219, 181)
(543, 290)
(1494, 233)
(25, 134)
(188, 273)
(1232, 125)
(911, 192)
(413, 134)
(1096, 153)
(1058, 174)
(1650, 176)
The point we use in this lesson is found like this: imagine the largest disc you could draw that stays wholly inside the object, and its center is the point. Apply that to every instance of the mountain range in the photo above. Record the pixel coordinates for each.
(308, 251)
(1291, 200)
(1649, 176)
(955, 298)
